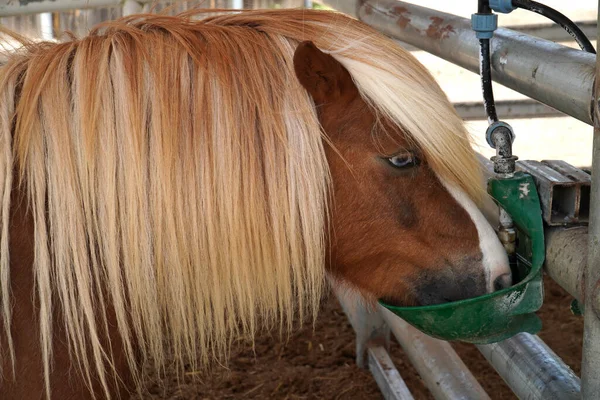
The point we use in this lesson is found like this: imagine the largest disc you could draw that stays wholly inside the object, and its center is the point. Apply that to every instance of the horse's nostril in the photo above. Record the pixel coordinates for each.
(502, 282)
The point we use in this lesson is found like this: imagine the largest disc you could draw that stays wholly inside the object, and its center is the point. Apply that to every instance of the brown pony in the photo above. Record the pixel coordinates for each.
(168, 184)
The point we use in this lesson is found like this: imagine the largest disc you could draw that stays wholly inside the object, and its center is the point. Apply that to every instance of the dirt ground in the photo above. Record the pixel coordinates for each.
(320, 364)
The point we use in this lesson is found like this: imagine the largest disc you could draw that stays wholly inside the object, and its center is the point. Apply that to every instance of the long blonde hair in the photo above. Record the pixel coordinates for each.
(175, 171)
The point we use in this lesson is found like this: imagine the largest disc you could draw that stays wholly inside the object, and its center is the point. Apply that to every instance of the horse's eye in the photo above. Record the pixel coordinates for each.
(403, 160)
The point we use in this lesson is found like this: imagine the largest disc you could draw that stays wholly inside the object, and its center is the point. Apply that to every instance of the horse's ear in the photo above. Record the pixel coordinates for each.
(325, 79)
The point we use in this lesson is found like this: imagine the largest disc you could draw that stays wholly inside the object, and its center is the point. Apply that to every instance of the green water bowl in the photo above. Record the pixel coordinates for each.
(502, 314)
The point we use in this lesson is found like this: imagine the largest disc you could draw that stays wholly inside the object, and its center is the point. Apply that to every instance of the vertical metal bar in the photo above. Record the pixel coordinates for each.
(46, 26)
(131, 7)
(386, 375)
(591, 332)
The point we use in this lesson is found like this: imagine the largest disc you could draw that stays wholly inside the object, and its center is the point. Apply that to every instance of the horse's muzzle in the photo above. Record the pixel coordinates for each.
(453, 284)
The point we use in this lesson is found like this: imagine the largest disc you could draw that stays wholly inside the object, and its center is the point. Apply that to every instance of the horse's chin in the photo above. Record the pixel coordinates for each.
(404, 301)
(350, 294)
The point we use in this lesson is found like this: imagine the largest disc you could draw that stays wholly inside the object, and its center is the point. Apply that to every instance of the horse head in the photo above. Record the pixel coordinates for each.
(398, 231)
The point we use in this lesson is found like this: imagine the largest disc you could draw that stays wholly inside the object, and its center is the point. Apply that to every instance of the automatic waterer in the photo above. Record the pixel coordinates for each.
(502, 314)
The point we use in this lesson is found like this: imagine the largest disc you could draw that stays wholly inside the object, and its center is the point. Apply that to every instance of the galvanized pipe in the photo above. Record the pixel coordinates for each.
(553, 74)
(591, 329)
(508, 109)
(532, 369)
(131, 7)
(22, 7)
(566, 258)
(444, 373)
(386, 375)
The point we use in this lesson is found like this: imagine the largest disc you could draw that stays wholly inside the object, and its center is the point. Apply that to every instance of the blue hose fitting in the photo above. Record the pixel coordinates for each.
(484, 25)
(502, 6)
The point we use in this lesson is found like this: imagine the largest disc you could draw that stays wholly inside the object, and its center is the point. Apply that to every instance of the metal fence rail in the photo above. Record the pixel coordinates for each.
(531, 369)
(386, 375)
(509, 109)
(551, 73)
(22, 7)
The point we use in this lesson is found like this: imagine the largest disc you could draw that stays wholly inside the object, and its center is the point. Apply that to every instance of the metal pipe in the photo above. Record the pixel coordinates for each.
(555, 32)
(46, 26)
(532, 369)
(551, 32)
(553, 74)
(566, 258)
(445, 374)
(386, 375)
(22, 7)
(508, 109)
(591, 328)
(131, 7)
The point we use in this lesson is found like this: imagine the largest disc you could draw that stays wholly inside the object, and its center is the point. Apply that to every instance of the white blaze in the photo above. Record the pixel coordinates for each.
(495, 260)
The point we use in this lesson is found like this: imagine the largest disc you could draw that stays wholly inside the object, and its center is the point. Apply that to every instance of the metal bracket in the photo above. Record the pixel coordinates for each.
(564, 191)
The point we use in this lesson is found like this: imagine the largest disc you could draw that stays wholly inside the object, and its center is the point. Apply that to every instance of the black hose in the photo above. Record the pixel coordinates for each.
(486, 80)
(557, 17)
(485, 69)
(483, 7)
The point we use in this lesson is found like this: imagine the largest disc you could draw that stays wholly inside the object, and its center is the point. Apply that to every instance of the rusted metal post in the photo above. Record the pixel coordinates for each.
(553, 74)
(590, 365)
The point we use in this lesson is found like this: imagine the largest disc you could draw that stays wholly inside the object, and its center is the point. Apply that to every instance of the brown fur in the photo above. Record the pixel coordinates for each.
(387, 226)
(197, 255)
(67, 384)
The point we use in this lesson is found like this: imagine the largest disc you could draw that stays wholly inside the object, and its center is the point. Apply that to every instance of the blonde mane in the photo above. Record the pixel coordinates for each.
(175, 171)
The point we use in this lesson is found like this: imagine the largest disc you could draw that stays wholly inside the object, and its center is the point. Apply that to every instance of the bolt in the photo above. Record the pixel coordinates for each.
(508, 239)
(507, 233)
